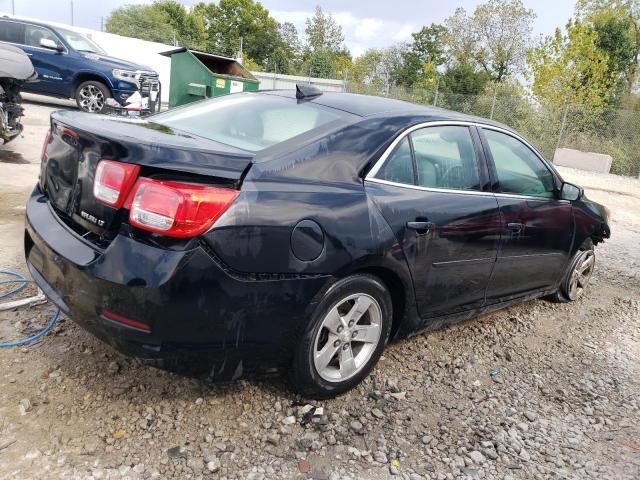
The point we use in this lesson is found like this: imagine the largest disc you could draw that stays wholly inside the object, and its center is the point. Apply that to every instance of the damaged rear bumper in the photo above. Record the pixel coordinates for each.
(188, 311)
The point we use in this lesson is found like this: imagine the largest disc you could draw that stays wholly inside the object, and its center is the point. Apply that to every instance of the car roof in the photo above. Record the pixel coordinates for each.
(369, 105)
(30, 22)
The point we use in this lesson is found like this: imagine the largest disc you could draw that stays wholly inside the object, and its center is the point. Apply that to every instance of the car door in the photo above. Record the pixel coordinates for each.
(537, 226)
(432, 189)
(46, 61)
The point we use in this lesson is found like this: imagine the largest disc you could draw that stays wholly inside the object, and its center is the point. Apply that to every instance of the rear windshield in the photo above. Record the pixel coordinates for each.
(249, 121)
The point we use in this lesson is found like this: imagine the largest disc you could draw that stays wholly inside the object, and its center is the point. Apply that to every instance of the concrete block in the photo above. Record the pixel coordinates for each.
(592, 162)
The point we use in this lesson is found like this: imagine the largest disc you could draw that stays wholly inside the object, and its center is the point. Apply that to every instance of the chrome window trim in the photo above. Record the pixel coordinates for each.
(427, 189)
(527, 144)
(465, 192)
(439, 123)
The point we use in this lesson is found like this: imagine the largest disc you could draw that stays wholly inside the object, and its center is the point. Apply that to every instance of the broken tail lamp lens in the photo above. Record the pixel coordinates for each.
(178, 209)
(112, 182)
(47, 140)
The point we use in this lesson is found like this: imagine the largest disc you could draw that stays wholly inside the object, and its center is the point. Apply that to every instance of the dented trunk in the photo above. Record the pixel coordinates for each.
(78, 141)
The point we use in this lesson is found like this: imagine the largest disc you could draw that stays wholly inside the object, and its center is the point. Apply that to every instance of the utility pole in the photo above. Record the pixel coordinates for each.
(564, 121)
(71, 3)
(435, 98)
(102, 24)
(493, 105)
(239, 53)
(13, 7)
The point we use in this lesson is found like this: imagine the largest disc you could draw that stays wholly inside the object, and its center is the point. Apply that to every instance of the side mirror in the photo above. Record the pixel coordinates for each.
(51, 45)
(570, 192)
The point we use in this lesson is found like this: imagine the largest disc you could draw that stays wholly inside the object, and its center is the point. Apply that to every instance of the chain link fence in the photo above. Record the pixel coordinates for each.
(613, 132)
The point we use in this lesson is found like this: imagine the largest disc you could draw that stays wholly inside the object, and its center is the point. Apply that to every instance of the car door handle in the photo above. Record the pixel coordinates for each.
(421, 226)
(515, 227)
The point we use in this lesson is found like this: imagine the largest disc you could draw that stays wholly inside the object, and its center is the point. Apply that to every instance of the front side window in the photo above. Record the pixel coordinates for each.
(398, 167)
(249, 121)
(33, 35)
(11, 32)
(445, 158)
(518, 169)
(79, 42)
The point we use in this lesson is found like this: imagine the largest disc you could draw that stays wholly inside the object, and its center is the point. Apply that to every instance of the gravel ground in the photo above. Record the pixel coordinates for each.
(539, 390)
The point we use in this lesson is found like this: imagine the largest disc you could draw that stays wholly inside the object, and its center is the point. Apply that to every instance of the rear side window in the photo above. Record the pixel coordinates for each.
(399, 166)
(249, 121)
(33, 35)
(445, 158)
(518, 169)
(11, 32)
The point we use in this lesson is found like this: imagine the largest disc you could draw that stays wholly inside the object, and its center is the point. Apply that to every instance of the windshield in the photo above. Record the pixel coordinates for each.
(79, 42)
(249, 121)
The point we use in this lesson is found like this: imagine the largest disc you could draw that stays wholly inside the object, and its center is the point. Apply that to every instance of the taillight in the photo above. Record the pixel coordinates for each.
(47, 139)
(177, 209)
(113, 181)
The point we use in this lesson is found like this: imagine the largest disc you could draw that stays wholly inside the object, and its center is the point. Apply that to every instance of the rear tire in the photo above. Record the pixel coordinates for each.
(345, 337)
(91, 96)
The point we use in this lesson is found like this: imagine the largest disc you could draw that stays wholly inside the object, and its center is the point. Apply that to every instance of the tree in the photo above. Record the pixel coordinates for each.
(572, 68)
(429, 44)
(618, 29)
(496, 37)
(377, 68)
(323, 33)
(464, 79)
(291, 41)
(164, 21)
(232, 20)
(422, 57)
(323, 46)
(189, 28)
(140, 21)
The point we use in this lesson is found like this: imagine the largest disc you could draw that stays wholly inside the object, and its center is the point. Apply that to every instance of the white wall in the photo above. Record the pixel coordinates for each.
(277, 81)
(136, 51)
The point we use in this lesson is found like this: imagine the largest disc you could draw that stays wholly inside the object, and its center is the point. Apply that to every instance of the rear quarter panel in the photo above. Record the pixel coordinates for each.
(320, 181)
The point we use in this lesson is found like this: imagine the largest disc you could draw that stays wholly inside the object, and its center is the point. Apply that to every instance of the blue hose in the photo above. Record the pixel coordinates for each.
(22, 282)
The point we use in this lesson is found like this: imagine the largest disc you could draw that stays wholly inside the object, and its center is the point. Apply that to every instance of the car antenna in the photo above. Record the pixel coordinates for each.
(305, 91)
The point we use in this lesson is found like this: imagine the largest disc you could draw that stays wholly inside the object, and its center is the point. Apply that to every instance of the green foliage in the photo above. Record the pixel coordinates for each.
(190, 28)
(422, 57)
(496, 37)
(323, 33)
(140, 21)
(324, 53)
(232, 20)
(571, 68)
(463, 78)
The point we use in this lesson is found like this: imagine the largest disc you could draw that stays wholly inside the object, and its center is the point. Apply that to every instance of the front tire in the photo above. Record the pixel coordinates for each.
(345, 338)
(91, 96)
(577, 276)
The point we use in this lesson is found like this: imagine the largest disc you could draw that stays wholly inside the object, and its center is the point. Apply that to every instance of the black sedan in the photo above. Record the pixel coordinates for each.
(260, 233)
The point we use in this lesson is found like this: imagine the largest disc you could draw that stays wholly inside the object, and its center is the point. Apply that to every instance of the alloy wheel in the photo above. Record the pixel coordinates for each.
(347, 337)
(91, 99)
(582, 270)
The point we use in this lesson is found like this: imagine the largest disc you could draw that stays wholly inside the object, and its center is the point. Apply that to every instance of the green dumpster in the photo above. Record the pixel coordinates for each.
(197, 75)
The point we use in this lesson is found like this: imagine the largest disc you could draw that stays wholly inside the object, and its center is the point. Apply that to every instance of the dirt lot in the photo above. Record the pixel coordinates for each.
(536, 391)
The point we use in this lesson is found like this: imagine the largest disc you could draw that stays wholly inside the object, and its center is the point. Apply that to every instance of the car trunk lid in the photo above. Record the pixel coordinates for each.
(78, 141)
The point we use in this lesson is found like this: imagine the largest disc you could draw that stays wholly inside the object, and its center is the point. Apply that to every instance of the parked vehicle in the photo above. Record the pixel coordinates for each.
(70, 65)
(15, 70)
(281, 231)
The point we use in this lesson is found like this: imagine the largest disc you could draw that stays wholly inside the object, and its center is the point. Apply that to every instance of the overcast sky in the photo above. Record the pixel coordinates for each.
(366, 23)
